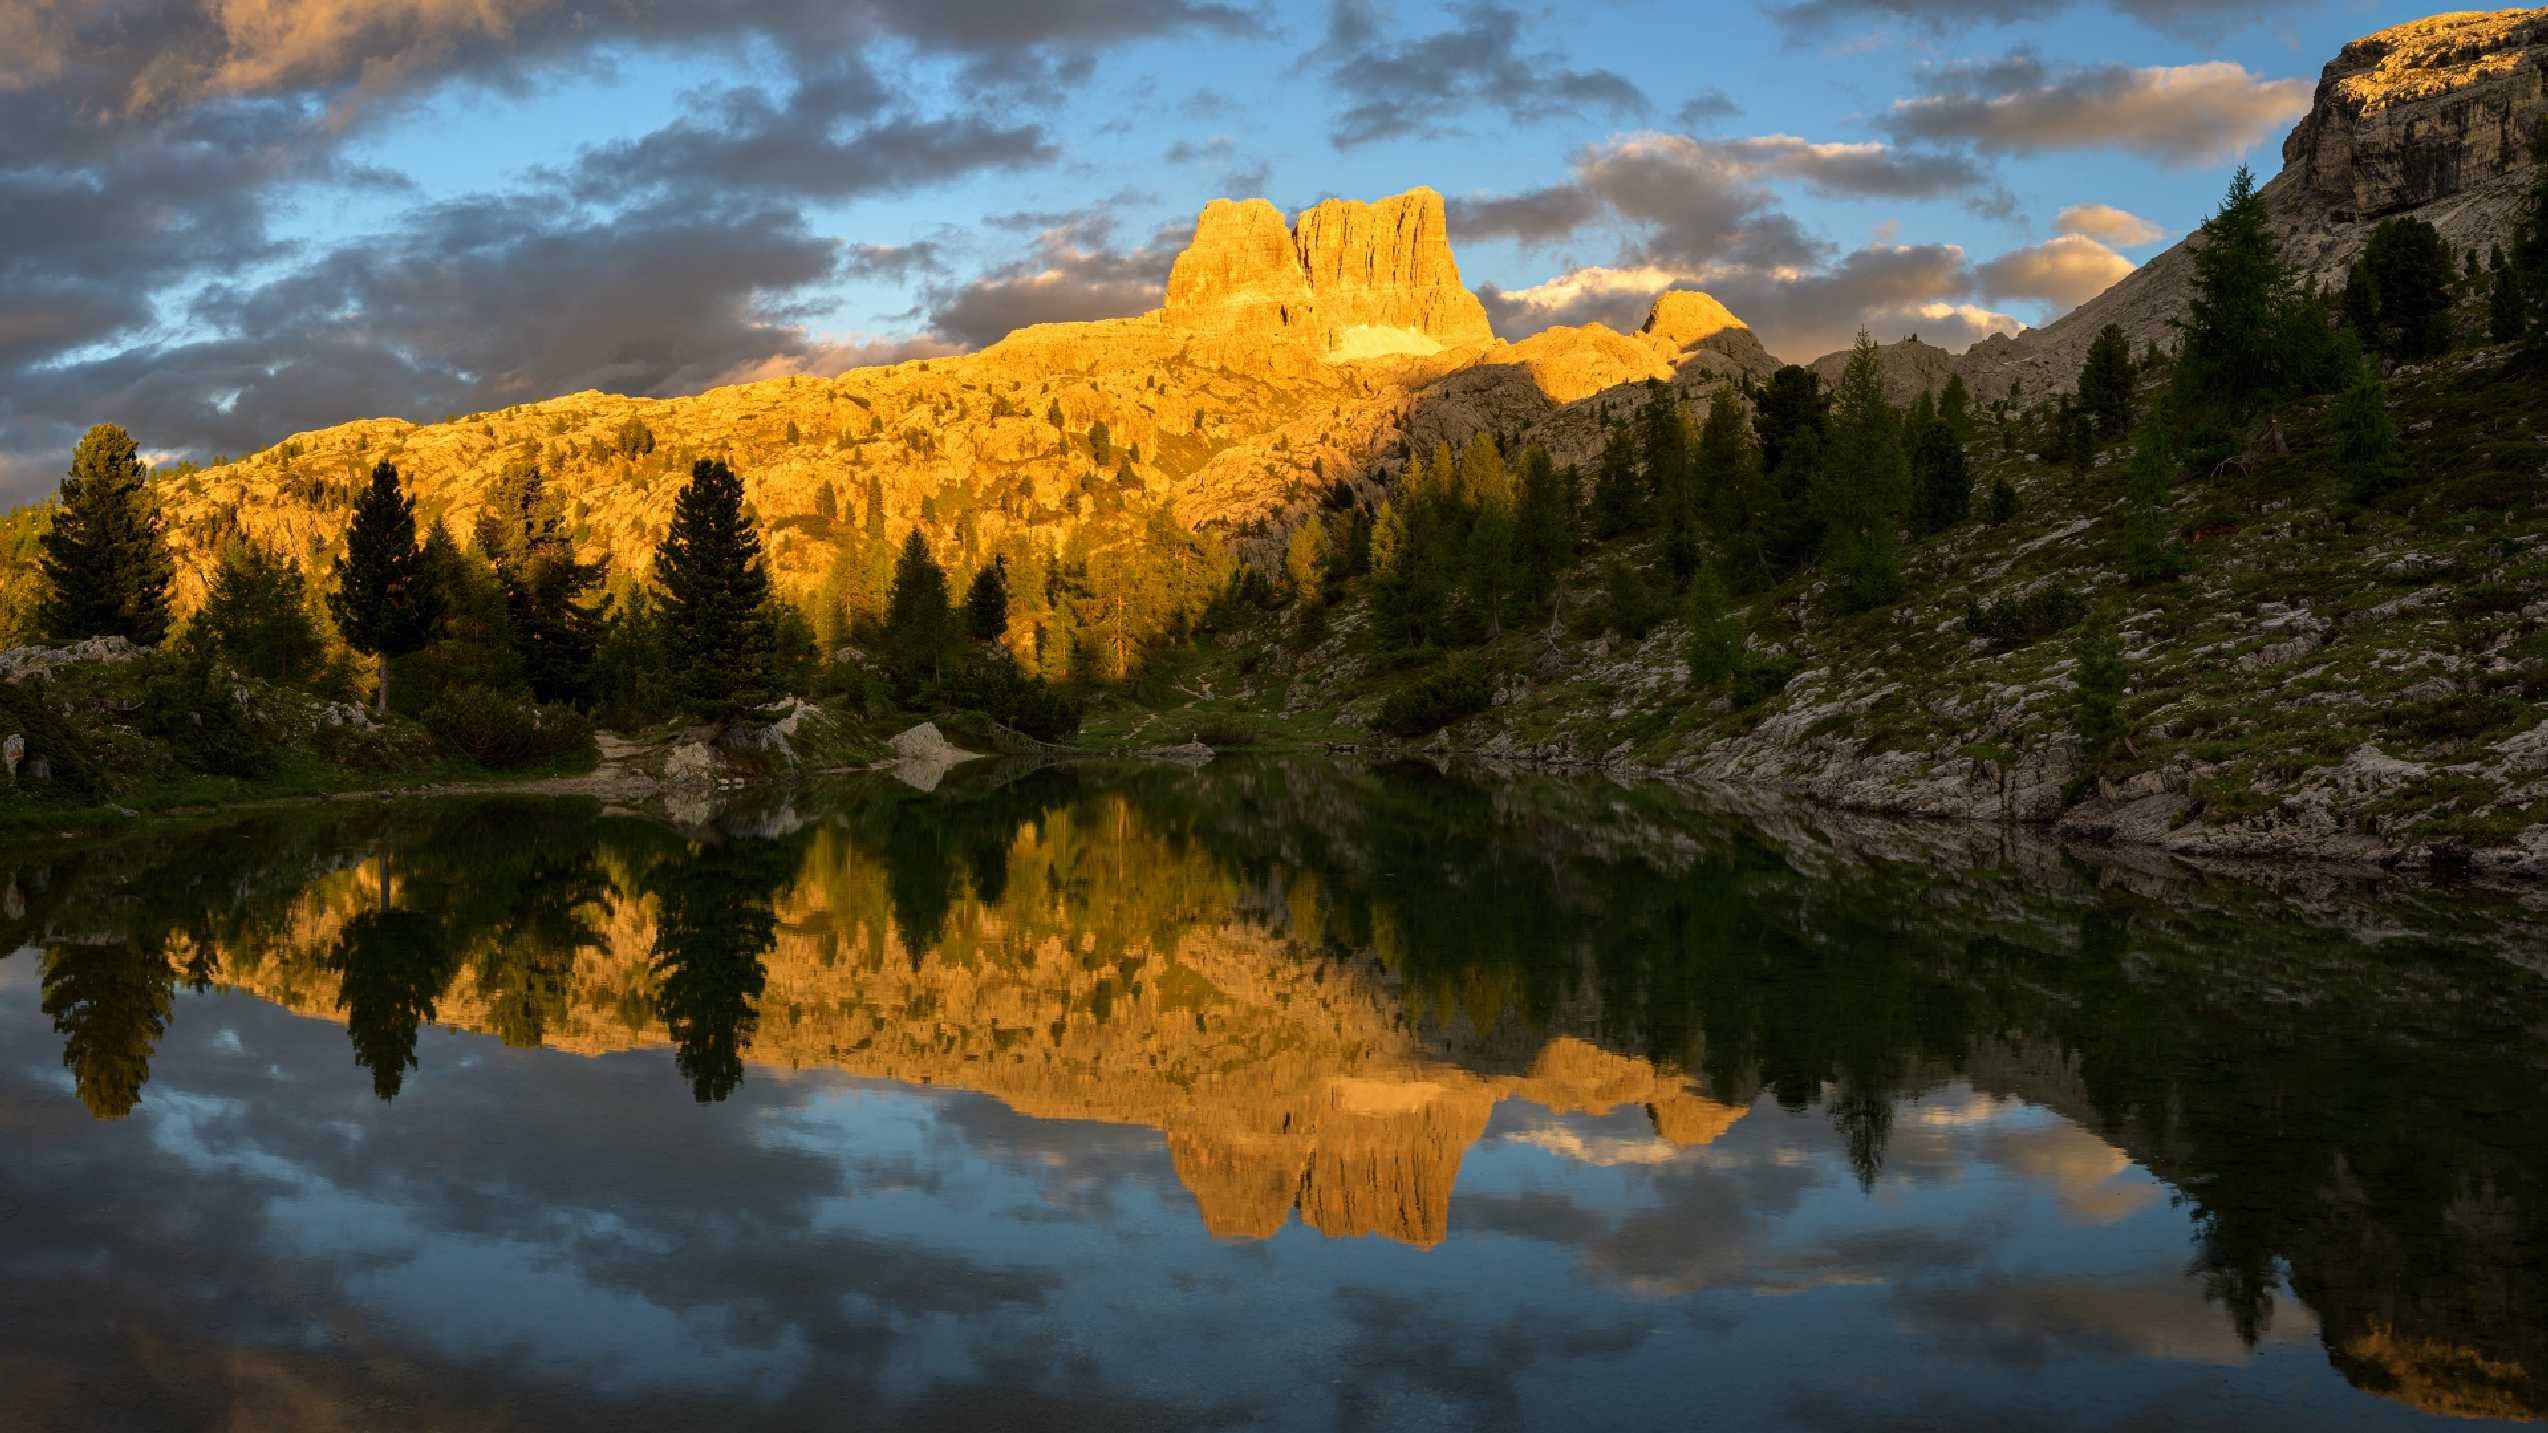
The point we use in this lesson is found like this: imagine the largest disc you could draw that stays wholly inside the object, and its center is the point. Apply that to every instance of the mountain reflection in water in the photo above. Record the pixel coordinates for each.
(1017, 1102)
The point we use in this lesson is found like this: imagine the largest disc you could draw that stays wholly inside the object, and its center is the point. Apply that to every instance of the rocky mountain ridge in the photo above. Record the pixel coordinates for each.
(2430, 119)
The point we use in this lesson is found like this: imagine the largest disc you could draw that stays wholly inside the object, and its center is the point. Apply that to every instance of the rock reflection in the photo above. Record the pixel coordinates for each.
(1318, 986)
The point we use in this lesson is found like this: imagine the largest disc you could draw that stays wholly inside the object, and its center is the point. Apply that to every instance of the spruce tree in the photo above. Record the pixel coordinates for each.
(2411, 267)
(1955, 408)
(556, 625)
(1544, 529)
(2507, 316)
(2367, 452)
(718, 623)
(256, 619)
(919, 622)
(2098, 684)
(1867, 484)
(2003, 505)
(1618, 498)
(2226, 357)
(986, 603)
(1739, 500)
(1716, 636)
(2361, 303)
(1486, 490)
(385, 603)
(2105, 382)
(105, 559)
(1941, 484)
(2149, 552)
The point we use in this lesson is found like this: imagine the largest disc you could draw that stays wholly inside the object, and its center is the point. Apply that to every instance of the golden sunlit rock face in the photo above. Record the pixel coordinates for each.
(1285, 1081)
(1286, 358)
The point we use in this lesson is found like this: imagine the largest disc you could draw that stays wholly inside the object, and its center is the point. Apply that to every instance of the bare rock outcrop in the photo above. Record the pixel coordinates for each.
(1353, 279)
(2430, 119)
(1240, 274)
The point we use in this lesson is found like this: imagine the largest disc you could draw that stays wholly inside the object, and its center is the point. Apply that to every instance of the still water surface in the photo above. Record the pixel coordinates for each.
(1282, 1096)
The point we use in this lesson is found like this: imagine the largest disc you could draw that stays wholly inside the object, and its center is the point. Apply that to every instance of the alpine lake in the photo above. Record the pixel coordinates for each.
(1266, 1094)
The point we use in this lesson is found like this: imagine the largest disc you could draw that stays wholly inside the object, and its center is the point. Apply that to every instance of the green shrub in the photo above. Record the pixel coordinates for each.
(2016, 621)
(1224, 733)
(499, 729)
(70, 767)
(996, 686)
(1436, 700)
(203, 719)
(1757, 681)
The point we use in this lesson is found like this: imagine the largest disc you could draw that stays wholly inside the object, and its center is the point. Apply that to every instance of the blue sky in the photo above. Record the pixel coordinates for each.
(234, 220)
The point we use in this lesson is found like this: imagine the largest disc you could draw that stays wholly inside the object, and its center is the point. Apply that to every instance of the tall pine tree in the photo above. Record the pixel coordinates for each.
(920, 623)
(105, 558)
(718, 617)
(385, 602)
(1866, 486)
(2241, 283)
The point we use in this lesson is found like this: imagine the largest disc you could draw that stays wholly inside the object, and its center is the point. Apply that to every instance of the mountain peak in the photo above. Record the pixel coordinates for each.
(1354, 279)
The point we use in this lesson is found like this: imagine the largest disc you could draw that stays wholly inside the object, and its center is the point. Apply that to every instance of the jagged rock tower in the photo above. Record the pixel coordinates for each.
(1354, 279)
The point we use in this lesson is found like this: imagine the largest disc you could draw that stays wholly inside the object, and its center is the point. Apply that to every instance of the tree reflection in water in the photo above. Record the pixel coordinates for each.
(2336, 1089)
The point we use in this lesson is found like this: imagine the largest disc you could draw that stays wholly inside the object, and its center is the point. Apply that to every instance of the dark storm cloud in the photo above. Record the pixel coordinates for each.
(145, 147)
(149, 54)
(2188, 18)
(1074, 273)
(1537, 216)
(465, 305)
(1394, 87)
(798, 149)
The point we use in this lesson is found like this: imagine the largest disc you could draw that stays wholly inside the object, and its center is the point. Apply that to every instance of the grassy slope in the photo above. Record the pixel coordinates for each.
(2306, 629)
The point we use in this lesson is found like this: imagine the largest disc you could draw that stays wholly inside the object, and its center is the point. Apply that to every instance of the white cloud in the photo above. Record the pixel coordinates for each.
(2185, 114)
(2065, 272)
(2108, 225)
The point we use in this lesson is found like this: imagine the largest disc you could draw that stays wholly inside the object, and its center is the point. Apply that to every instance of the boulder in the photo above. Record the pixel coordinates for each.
(19, 663)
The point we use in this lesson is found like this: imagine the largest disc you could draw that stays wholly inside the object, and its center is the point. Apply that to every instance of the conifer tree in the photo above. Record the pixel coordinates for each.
(1618, 504)
(1739, 499)
(2507, 316)
(2105, 382)
(385, 602)
(986, 603)
(1941, 484)
(1305, 560)
(1543, 529)
(1867, 484)
(555, 624)
(1486, 490)
(718, 621)
(105, 559)
(257, 620)
(1716, 637)
(2098, 684)
(919, 622)
(2149, 554)
(2361, 302)
(2410, 267)
(2367, 452)
(2003, 504)
(2226, 356)
(1955, 407)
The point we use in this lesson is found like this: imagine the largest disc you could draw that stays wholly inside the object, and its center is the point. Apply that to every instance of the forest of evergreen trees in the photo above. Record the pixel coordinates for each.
(510, 648)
